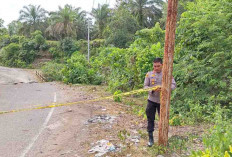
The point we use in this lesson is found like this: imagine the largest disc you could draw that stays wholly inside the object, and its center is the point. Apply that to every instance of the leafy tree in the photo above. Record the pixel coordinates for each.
(14, 28)
(181, 8)
(3, 30)
(121, 30)
(101, 15)
(204, 57)
(148, 12)
(32, 16)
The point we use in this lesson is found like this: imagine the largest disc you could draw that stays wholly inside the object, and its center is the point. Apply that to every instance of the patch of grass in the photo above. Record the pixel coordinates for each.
(157, 150)
(143, 134)
(122, 135)
(177, 144)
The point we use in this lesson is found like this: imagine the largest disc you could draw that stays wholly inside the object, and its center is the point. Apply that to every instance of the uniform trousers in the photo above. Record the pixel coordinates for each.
(150, 112)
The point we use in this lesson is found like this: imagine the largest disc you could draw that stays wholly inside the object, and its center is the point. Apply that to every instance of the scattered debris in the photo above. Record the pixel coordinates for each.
(102, 147)
(102, 119)
(134, 139)
(69, 110)
(32, 82)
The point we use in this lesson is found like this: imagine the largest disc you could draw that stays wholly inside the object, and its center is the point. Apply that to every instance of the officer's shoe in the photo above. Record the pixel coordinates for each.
(151, 140)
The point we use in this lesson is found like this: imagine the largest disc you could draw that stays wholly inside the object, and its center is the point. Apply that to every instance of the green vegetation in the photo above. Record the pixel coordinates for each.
(219, 138)
(124, 41)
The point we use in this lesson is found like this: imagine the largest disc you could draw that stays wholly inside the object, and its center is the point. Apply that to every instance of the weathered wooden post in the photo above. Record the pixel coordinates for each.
(167, 72)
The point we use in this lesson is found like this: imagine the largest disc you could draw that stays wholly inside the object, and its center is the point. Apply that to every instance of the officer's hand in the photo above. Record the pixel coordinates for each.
(157, 90)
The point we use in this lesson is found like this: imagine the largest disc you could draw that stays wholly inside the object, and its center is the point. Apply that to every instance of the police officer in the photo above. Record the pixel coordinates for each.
(152, 79)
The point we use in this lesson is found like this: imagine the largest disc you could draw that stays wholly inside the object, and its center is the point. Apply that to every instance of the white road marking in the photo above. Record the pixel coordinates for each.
(40, 131)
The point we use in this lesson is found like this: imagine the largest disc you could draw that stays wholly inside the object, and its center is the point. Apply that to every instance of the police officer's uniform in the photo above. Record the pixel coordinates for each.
(153, 79)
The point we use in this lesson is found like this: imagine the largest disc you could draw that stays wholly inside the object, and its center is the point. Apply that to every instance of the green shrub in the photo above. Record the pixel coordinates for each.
(203, 60)
(4, 41)
(78, 70)
(117, 98)
(39, 39)
(82, 46)
(56, 52)
(52, 43)
(218, 141)
(17, 39)
(29, 45)
(15, 55)
(125, 69)
(53, 71)
(10, 56)
(44, 47)
(68, 46)
(95, 44)
(35, 33)
(27, 56)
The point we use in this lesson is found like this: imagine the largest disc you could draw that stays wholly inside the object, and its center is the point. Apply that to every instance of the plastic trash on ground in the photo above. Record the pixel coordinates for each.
(102, 147)
(101, 119)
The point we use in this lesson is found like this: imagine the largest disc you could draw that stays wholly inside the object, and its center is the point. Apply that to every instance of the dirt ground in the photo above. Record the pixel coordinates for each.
(69, 134)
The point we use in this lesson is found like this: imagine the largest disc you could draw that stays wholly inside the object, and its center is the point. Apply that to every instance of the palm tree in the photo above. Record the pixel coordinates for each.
(101, 15)
(32, 16)
(146, 11)
(80, 24)
(64, 21)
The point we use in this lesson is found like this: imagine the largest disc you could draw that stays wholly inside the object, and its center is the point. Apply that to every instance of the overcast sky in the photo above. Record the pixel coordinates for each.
(9, 9)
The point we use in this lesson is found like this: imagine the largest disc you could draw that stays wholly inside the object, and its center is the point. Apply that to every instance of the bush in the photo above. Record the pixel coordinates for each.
(10, 56)
(203, 60)
(14, 55)
(35, 33)
(68, 46)
(27, 56)
(78, 70)
(53, 71)
(17, 39)
(218, 142)
(125, 69)
(29, 45)
(95, 44)
(56, 52)
(82, 46)
(117, 98)
(39, 39)
(4, 41)
(53, 43)
(44, 47)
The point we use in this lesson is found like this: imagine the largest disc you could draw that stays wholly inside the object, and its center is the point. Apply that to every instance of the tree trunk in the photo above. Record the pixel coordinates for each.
(167, 72)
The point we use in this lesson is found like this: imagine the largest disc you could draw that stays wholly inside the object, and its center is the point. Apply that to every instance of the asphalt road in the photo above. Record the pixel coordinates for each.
(19, 131)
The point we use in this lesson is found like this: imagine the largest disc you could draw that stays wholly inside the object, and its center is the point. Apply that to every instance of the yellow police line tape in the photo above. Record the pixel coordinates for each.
(84, 101)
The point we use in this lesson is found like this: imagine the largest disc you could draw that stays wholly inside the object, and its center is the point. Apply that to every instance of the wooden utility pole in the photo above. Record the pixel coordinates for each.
(167, 72)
